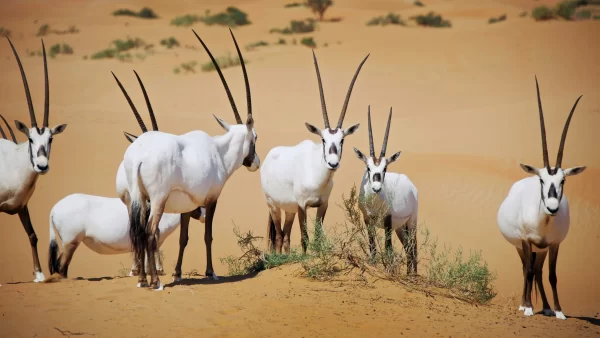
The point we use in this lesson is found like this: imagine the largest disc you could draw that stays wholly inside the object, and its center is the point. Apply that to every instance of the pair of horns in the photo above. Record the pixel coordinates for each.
(9, 129)
(238, 119)
(28, 94)
(385, 137)
(543, 128)
(323, 107)
(135, 112)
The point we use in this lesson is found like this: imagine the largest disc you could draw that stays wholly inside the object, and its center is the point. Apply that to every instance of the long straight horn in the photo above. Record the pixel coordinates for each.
(2, 133)
(387, 133)
(150, 111)
(543, 127)
(238, 119)
(321, 93)
(564, 135)
(27, 93)
(341, 120)
(248, 96)
(371, 146)
(46, 88)
(135, 112)
(12, 134)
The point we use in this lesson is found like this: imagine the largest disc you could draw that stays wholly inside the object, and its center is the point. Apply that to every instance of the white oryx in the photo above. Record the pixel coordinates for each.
(294, 178)
(21, 164)
(391, 193)
(101, 223)
(534, 217)
(179, 173)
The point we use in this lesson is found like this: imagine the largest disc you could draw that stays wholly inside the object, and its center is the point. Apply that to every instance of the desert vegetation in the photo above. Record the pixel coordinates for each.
(319, 7)
(343, 252)
(308, 42)
(231, 17)
(169, 42)
(254, 45)
(384, 20)
(144, 13)
(224, 62)
(122, 50)
(431, 19)
(497, 19)
(297, 27)
(45, 29)
(565, 10)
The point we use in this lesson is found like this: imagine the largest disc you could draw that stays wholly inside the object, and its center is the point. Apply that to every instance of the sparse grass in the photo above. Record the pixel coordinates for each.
(185, 20)
(294, 4)
(389, 19)
(419, 4)
(584, 14)
(123, 271)
(523, 14)
(144, 13)
(120, 50)
(232, 17)
(309, 42)
(223, 62)
(255, 45)
(566, 9)
(60, 49)
(45, 30)
(497, 19)
(169, 42)
(4, 32)
(281, 41)
(432, 20)
(542, 13)
(296, 27)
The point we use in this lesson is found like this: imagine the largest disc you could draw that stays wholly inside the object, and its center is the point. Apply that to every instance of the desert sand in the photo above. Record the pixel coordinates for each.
(465, 116)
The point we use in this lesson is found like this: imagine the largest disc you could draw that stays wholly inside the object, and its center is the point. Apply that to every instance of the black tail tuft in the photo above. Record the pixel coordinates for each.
(53, 261)
(271, 234)
(137, 229)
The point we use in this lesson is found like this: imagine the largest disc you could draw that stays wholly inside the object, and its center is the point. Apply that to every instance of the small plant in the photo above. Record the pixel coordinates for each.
(419, 3)
(254, 45)
(223, 62)
(497, 19)
(4, 32)
(123, 271)
(542, 13)
(319, 7)
(281, 41)
(144, 13)
(185, 20)
(432, 20)
(186, 67)
(389, 19)
(566, 9)
(60, 49)
(523, 14)
(43, 30)
(293, 4)
(232, 17)
(118, 49)
(583, 15)
(309, 42)
(169, 42)
(297, 26)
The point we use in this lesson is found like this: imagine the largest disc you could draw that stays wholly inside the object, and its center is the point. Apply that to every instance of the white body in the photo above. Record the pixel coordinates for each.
(293, 176)
(522, 217)
(17, 176)
(399, 194)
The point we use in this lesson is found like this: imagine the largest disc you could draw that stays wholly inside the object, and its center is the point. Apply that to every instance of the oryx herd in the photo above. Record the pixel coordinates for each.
(166, 179)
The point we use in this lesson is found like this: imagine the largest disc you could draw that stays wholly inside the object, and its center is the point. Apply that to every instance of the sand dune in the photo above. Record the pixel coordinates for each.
(465, 116)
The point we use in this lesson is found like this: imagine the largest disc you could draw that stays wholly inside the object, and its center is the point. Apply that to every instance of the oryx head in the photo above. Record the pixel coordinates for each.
(333, 139)
(552, 179)
(40, 139)
(377, 166)
(130, 137)
(251, 160)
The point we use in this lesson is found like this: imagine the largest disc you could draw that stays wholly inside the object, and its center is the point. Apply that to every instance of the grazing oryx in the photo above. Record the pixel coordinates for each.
(178, 174)
(122, 186)
(393, 191)
(20, 164)
(101, 223)
(294, 178)
(534, 217)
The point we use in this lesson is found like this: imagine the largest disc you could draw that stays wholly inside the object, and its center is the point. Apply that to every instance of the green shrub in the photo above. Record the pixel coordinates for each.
(118, 49)
(542, 13)
(419, 4)
(319, 7)
(297, 27)
(60, 49)
(432, 20)
(281, 41)
(169, 42)
(144, 13)
(584, 14)
(497, 19)
(43, 30)
(223, 62)
(309, 42)
(185, 20)
(232, 17)
(566, 9)
(389, 19)
(293, 4)
(254, 45)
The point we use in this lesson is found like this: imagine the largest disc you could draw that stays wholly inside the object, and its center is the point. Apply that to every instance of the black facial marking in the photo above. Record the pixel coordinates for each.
(552, 192)
(42, 152)
(331, 131)
(250, 157)
(377, 177)
(333, 149)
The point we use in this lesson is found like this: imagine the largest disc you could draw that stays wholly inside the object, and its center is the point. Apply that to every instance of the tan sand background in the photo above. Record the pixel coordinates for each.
(465, 116)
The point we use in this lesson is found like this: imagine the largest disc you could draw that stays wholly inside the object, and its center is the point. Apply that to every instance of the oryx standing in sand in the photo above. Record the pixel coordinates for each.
(534, 218)
(21, 164)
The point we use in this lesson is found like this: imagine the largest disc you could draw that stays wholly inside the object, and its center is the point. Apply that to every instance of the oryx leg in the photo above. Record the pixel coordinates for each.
(540, 257)
(408, 237)
(553, 280)
(287, 231)
(68, 251)
(156, 212)
(26, 221)
(183, 240)
(522, 256)
(529, 262)
(275, 213)
(303, 230)
(371, 233)
(210, 213)
(387, 226)
(321, 211)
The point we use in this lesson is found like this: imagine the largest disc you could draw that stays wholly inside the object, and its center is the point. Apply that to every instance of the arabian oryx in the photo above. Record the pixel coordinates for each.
(534, 217)
(102, 223)
(20, 164)
(294, 178)
(179, 173)
(390, 196)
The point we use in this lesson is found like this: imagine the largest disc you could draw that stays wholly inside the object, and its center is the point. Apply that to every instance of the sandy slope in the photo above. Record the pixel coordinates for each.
(465, 116)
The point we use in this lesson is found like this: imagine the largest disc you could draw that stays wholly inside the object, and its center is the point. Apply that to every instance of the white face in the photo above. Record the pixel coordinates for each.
(333, 143)
(552, 184)
(40, 143)
(376, 168)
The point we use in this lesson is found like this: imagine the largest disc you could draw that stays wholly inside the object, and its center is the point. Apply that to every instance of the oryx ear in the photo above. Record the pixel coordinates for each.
(313, 129)
(58, 129)
(22, 127)
(250, 122)
(530, 170)
(360, 155)
(574, 171)
(223, 124)
(393, 158)
(130, 137)
(351, 130)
